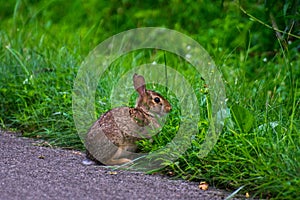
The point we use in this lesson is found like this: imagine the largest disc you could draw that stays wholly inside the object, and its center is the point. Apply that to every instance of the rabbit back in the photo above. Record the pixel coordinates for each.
(117, 126)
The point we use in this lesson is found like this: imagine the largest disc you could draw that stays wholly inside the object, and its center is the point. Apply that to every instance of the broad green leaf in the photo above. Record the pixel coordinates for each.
(242, 117)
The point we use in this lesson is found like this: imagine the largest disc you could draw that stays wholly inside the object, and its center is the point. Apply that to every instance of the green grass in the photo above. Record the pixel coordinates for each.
(43, 44)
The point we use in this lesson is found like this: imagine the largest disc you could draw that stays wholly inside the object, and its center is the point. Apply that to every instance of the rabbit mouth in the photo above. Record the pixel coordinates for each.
(160, 111)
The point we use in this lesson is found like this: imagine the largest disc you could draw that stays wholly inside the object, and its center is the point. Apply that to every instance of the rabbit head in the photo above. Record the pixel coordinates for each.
(149, 102)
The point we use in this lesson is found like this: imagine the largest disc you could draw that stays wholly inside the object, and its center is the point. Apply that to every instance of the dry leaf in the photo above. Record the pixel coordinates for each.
(170, 173)
(76, 152)
(247, 195)
(112, 172)
(41, 157)
(203, 185)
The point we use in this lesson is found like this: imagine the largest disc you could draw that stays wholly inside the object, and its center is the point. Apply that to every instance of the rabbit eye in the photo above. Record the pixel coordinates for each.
(157, 100)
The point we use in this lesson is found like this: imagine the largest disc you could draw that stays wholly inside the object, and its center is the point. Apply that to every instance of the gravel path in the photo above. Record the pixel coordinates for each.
(28, 171)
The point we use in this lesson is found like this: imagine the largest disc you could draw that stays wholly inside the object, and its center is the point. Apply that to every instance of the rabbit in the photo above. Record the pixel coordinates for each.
(112, 138)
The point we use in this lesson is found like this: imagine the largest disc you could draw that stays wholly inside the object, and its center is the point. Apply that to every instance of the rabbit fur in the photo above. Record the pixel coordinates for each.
(112, 138)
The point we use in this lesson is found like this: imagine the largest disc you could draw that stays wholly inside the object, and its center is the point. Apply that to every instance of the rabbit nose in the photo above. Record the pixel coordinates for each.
(168, 108)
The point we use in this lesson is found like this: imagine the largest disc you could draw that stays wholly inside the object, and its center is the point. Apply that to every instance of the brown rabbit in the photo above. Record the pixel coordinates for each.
(112, 138)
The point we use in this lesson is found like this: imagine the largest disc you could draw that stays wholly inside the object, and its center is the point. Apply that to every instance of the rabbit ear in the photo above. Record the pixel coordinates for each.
(139, 84)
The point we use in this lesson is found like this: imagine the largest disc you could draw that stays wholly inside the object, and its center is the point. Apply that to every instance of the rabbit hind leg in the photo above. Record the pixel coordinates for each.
(118, 158)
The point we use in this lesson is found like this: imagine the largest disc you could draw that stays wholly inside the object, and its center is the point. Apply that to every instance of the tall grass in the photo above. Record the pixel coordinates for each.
(36, 83)
(260, 148)
(43, 44)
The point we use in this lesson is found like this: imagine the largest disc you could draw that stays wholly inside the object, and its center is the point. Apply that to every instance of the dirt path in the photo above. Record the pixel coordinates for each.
(33, 172)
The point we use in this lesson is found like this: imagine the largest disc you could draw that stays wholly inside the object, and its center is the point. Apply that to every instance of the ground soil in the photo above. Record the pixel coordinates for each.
(31, 171)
